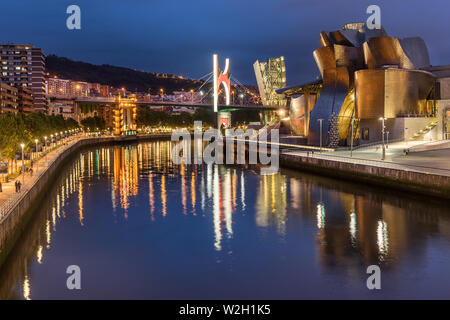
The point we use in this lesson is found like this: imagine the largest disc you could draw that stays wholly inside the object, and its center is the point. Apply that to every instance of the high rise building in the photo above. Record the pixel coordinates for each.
(22, 65)
(8, 98)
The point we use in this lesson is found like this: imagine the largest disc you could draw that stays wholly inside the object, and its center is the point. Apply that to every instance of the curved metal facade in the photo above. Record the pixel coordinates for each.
(366, 74)
(392, 92)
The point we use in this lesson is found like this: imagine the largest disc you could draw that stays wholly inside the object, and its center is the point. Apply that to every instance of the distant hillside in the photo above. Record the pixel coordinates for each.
(117, 77)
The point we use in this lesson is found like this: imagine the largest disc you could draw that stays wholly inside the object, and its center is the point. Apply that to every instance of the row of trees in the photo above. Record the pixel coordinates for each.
(154, 118)
(93, 123)
(17, 128)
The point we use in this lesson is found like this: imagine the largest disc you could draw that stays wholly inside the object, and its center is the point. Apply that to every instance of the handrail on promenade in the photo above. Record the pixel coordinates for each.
(9, 204)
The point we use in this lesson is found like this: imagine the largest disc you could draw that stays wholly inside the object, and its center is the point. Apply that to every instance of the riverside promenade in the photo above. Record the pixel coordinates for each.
(9, 197)
(426, 172)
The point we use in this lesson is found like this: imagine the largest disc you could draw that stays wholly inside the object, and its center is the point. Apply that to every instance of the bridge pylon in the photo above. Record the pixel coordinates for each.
(222, 78)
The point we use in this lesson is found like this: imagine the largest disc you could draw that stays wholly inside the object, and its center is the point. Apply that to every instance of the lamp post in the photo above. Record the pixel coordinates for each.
(383, 156)
(45, 148)
(387, 139)
(22, 145)
(320, 120)
(406, 136)
(242, 98)
(351, 141)
(37, 156)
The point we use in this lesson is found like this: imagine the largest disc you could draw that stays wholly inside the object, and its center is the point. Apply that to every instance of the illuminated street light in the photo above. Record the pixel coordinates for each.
(37, 155)
(22, 145)
(320, 120)
(351, 141)
(383, 127)
(45, 148)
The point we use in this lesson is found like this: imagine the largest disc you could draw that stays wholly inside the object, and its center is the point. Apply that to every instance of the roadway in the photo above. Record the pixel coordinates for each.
(166, 104)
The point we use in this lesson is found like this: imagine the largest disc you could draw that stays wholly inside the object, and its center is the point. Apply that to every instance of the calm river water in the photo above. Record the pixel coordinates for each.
(141, 227)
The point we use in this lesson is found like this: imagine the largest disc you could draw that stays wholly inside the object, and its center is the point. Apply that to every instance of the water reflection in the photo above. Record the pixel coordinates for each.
(347, 227)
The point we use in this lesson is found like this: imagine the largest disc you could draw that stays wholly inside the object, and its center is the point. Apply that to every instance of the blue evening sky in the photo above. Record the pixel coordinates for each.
(179, 36)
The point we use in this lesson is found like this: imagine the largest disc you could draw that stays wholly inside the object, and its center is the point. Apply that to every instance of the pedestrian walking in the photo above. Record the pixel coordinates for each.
(1, 187)
(16, 185)
(19, 185)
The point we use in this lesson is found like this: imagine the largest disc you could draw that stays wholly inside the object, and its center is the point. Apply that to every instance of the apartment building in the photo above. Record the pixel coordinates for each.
(23, 65)
(8, 98)
(57, 87)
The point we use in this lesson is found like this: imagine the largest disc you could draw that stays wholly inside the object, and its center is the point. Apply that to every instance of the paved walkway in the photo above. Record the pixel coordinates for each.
(9, 197)
(434, 162)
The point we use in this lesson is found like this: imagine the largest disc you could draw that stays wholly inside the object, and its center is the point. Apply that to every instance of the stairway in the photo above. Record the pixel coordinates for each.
(420, 135)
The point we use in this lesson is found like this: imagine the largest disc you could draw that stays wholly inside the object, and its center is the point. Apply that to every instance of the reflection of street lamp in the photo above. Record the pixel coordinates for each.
(37, 155)
(320, 120)
(382, 138)
(23, 164)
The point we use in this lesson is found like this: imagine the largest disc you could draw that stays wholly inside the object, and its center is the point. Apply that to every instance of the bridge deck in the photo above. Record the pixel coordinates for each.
(172, 104)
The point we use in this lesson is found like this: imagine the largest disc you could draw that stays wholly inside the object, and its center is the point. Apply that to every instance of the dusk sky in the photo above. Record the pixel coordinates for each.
(180, 37)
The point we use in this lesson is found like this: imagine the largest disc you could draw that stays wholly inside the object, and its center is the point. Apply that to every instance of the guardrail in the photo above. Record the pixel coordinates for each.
(7, 206)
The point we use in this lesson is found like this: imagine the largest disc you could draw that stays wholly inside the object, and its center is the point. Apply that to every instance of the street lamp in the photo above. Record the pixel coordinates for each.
(37, 155)
(45, 148)
(406, 136)
(387, 139)
(320, 120)
(22, 145)
(383, 157)
(351, 141)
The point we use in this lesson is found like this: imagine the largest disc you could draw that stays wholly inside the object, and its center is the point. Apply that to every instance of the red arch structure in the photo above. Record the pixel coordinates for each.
(221, 78)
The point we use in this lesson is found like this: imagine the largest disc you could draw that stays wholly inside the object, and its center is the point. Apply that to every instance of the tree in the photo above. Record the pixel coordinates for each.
(93, 123)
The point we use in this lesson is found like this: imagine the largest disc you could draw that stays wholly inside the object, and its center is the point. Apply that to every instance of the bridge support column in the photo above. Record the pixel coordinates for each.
(223, 118)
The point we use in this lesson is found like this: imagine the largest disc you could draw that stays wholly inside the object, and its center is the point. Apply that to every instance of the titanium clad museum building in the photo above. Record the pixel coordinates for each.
(367, 75)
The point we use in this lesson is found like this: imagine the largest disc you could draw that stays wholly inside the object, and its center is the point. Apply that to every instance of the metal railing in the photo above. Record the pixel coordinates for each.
(9, 205)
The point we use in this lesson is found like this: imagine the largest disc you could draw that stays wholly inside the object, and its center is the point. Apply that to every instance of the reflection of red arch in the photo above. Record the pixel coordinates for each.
(221, 78)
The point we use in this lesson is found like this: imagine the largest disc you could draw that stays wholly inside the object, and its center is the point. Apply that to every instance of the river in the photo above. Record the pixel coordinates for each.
(140, 227)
